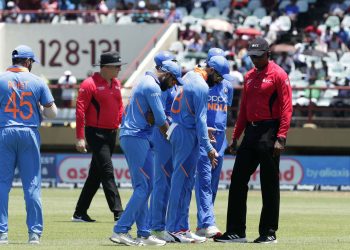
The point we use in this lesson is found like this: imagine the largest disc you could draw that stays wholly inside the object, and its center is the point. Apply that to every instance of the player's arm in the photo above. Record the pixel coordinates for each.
(50, 110)
(284, 95)
(83, 100)
(121, 107)
(230, 93)
(153, 96)
(200, 112)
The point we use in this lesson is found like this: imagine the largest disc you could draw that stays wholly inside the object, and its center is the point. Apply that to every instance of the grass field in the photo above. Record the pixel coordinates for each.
(308, 220)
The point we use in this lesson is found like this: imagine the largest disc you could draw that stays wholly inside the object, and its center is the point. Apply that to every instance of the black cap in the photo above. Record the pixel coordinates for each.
(258, 47)
(110, 59)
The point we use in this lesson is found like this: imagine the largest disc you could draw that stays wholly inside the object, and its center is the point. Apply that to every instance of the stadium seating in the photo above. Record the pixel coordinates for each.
(212, 12)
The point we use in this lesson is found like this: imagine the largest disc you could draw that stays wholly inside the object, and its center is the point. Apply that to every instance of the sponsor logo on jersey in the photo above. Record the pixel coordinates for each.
(217, 98)
(217, 103)
(100, 88)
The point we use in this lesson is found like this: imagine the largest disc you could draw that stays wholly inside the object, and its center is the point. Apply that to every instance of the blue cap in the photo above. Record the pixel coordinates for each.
(215, 52)
(23, 51)
(174, 69)
(163, 56)
(221, 65)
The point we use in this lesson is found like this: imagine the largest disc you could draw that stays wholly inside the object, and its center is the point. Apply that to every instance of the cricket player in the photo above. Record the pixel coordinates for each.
(163, 167)
(134, 136)
(22, 95)
(188, 130)
(207, 178)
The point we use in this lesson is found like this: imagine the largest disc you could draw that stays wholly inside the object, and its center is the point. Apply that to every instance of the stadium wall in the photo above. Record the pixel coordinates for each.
(295, 171)
(60, 47)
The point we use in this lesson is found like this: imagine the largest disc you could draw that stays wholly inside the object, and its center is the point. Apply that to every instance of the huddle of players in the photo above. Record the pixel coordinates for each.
(173, 138)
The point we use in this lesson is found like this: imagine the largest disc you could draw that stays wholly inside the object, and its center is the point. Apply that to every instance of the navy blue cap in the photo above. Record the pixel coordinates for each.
(222, 66)
(173, 68)
(215, 52)
(163, 56)
(23, 51)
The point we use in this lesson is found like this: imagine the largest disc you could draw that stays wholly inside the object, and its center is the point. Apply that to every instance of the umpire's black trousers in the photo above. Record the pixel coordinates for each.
(256, 148)
(101, 142)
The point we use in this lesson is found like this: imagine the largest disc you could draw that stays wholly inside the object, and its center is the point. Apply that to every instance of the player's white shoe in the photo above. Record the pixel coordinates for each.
(180, 237)
(150, 241)
(34, 238)
(209, 232)
(195, 238)
(4, 238)
(124, 238)
(163, 235)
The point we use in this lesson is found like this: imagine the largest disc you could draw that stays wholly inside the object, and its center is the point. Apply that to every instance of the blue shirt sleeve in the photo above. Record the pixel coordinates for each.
(200, 109)
(230, 93)
(46, 96)
(153, 95)
(169, 100)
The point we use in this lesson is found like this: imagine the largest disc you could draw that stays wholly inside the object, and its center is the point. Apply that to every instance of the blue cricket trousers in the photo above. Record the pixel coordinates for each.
(207, 182)
(20, 146)
(185, 152)
(139, 157)
(163, 169)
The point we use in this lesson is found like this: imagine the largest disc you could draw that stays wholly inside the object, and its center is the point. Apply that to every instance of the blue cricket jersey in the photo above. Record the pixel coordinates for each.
(20, 94)
(189, 108)
(146, 97)
(168, 98)
(220, 97)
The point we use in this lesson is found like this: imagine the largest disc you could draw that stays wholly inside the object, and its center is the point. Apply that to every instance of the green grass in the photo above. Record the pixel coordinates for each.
(308, 220)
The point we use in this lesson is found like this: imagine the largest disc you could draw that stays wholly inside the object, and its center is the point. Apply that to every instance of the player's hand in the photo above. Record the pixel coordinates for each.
(150, 118)
(211, 135)
(233, 147)
(80, 146)
(279, 146)
(213, 155)
(164, 128)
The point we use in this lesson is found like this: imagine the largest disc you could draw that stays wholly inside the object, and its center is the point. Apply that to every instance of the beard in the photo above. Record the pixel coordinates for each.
(30, 67)
(164, 83)
(164, 86)
(210, 80)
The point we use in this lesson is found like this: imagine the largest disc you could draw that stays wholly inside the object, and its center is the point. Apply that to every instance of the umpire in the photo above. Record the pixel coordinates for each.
(100, 108)
(264, 116)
